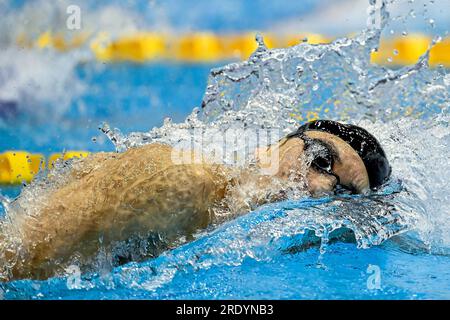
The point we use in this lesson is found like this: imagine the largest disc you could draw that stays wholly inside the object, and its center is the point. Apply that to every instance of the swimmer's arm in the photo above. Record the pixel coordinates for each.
(103, 205)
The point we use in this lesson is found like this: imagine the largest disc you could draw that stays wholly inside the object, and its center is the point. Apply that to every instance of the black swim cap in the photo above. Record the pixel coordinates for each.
(365, 144)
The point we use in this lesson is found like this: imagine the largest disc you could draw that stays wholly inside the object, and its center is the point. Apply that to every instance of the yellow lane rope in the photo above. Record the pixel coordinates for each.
(209, 47)
(20, 166)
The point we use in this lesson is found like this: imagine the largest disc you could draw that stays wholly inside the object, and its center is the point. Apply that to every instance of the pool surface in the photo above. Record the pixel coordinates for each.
(392, 244)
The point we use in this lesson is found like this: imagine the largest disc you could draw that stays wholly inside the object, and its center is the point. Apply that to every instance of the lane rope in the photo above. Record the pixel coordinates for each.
(17, 167)
(210, 47)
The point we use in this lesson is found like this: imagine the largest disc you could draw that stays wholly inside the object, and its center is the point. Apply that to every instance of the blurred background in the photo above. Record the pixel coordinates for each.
(68, 66)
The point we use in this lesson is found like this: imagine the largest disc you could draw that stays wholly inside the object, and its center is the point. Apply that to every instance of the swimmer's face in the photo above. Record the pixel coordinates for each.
(322, 160)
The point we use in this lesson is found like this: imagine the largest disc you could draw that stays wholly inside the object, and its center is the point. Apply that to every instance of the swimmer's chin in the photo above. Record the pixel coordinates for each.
(320, 193)
(322, 186)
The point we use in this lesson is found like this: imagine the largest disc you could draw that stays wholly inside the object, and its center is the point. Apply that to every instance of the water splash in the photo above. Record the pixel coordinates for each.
(407, 109)
(281, 88)
(285, 227)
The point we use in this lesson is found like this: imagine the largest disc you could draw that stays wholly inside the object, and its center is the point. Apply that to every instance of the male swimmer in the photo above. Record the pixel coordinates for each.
(112, 202)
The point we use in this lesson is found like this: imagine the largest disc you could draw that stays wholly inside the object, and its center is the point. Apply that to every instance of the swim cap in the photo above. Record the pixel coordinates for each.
(365, 144)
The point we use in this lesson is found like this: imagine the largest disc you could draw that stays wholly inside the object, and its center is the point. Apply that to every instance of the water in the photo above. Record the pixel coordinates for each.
(393, 244)
(159, 91)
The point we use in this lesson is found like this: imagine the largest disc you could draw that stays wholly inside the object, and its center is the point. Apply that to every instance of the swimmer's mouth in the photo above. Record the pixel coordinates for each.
(341, 189)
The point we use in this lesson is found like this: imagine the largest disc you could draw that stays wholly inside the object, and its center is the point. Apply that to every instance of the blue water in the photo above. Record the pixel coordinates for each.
(261, 270)
(129, 96)
(264, 254)
(343, 275)
(205, 268)
(214, 15)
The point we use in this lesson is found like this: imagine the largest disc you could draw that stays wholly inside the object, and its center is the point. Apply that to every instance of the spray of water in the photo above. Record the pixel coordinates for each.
(407, 109)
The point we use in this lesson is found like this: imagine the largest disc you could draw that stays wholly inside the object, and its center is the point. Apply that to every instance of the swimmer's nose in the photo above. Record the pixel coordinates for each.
(352, 178)
(321, 183)
(359, 186)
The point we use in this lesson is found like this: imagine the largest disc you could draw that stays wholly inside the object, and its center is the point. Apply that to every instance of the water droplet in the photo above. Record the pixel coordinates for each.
(260, 40)
(315, 76)
(437, 39)
(167, 121)
(395, 52)
(431, 22)
(447, 80)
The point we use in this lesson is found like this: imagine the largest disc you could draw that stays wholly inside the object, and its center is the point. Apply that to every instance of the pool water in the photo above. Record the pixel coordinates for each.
(236, 262)
(134, 97)
(343, 271)
(340, 247)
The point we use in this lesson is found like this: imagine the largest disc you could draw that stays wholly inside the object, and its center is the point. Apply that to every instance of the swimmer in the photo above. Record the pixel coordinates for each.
(112, 202)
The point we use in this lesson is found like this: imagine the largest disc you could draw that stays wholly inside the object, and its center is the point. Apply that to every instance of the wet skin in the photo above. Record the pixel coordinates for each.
(110, 198)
